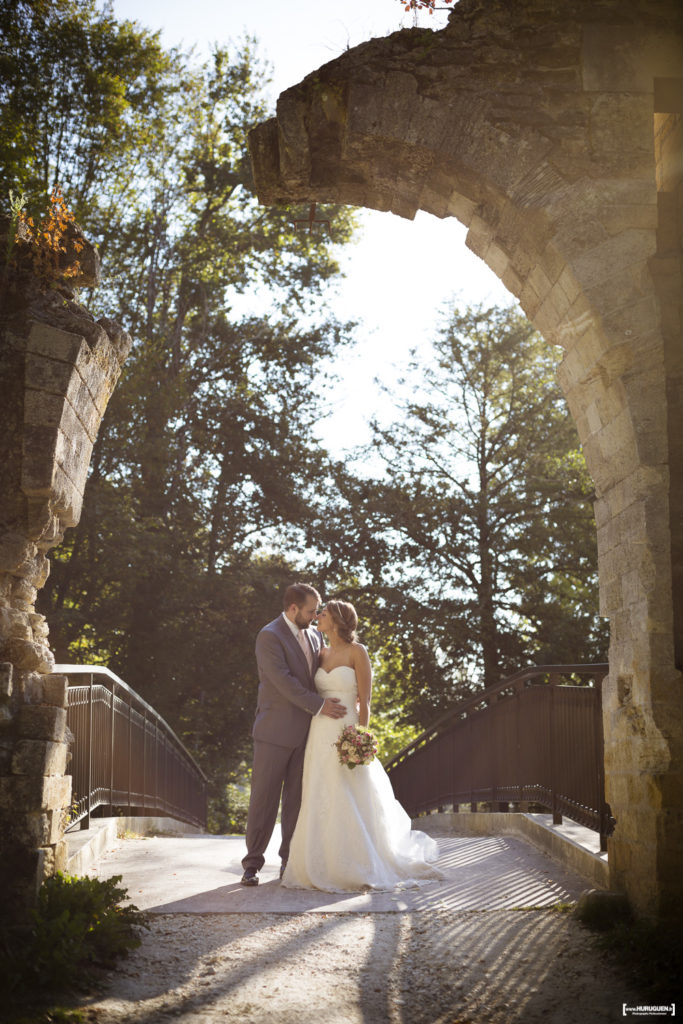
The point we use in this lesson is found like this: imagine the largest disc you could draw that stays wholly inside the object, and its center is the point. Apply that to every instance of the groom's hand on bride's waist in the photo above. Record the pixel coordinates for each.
(333, 708)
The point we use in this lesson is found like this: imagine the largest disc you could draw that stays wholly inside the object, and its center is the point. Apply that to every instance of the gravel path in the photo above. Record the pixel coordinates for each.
(488, 944)
(530, 966)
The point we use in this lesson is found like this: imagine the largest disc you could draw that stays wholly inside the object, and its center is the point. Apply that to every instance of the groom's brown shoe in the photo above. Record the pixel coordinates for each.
(250, 877)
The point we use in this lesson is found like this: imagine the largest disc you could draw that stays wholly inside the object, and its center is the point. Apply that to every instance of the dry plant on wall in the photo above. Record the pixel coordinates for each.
(423, 5)
(49, 248)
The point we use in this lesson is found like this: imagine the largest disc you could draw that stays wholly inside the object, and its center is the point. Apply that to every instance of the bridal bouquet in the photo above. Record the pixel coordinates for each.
(355, 746)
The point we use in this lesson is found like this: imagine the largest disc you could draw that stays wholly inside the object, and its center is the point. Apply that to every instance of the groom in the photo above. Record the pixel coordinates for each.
(287, 655)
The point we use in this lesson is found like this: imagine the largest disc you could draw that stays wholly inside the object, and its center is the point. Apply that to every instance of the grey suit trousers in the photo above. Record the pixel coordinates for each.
(277, 770)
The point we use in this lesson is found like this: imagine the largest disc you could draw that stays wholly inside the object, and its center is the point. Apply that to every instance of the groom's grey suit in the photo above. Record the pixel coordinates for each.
(287, 700)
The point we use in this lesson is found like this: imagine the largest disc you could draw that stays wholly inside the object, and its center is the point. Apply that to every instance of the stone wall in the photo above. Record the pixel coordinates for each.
(552, 130)
(57, 371)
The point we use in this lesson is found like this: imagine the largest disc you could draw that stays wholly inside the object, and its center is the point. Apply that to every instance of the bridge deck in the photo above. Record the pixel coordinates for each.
(199, 874)
(490, 950)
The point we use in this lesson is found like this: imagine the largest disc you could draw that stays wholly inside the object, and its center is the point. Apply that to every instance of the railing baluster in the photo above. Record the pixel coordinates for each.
(554, 753)
(178, 785)
(156, 764)
(605, 824)
(144, 760)
(111, 746)
(86, 820)
(536, 763)
(130, 746)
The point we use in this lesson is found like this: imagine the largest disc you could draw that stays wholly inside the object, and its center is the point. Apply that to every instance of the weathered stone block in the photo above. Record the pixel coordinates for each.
(18, 792)
(610, 402)
(578, 323)
(37, 470)
(87, 413)
(37, 570)
(30, 656)
(55, 689)
(40, 829)
(120, 339)
(461, 208)
(529, 299)
(551, 312)
(56, 793)
(643, 57)
(39, 626)
(43, 524)
(16, 553)
(6, 684)
(593, 418)
(596, 265)
(540, 281)
(38, 722)
(72, 414)
(39, 757)
(513, 282)
(46, 865)
(569, 285)
(50, 342)
(497, 259)
(32, 687)
(479, 236)
(61, 856)
(48, 375)
(15, 623)
(67, 497)
(620, 218)
(73, 457)
(523, 257)
(668, 229)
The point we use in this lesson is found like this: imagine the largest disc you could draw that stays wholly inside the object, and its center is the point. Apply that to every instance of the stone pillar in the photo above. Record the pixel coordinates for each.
(58, 368)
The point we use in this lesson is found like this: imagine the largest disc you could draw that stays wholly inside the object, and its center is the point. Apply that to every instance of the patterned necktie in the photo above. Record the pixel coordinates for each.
(306, 648)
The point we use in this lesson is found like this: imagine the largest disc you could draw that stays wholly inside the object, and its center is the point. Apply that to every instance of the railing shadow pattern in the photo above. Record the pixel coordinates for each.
(124, 755)
(535, 737)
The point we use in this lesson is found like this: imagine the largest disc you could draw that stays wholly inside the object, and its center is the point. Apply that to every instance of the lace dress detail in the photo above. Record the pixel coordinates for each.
(351, 834)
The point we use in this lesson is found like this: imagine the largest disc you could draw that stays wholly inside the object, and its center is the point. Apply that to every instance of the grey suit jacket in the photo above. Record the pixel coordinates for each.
(287, 698)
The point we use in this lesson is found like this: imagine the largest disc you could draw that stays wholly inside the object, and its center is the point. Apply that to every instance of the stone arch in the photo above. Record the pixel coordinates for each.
(535, 125)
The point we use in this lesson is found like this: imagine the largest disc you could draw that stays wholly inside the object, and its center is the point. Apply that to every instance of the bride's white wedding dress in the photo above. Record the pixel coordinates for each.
(351, 833)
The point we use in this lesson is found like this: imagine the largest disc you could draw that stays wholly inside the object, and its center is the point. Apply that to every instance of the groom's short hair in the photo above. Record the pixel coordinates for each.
(296, 593)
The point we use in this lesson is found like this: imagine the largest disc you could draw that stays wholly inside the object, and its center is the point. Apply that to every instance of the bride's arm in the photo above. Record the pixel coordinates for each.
(361, 663)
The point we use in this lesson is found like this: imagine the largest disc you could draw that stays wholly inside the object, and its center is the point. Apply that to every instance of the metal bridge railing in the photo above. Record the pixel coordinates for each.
(124, 755)
(529, 739)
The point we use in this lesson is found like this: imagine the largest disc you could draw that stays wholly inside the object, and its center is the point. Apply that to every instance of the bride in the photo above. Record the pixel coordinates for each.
(351, 833)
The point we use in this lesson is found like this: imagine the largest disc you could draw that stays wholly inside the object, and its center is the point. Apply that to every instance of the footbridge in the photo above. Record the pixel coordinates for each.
(506, 783)
(523, 757)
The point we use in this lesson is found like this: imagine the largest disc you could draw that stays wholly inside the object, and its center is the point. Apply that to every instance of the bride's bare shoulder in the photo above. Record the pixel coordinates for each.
(359, 653)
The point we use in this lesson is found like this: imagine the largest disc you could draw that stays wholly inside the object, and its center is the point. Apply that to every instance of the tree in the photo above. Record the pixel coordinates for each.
(478, 539)
(73, 84)
(204, 460)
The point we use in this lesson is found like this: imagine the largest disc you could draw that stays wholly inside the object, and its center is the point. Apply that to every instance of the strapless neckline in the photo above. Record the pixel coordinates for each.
(336, 667)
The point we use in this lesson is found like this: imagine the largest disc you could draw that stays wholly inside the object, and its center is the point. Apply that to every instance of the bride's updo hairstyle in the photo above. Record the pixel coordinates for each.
(345, 619)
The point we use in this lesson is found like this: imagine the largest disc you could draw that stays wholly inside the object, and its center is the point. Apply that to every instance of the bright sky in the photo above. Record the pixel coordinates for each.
(400, 272)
